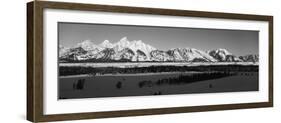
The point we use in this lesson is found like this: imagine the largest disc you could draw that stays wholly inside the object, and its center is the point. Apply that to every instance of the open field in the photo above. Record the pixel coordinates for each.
(92, 80)
(73, 87)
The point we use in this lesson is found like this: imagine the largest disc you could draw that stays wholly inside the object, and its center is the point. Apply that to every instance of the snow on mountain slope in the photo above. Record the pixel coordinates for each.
(190, 55)
(158, 55)
(106, 44)
(123, 43)
(136, 50)
(133, 45)
(88, 45)
(223, 55)
(175, 54)
(219, 54)
(141, 56)
(106, 54)
(75, 54)
(232, 58)
(250, 58)
(63, 51)
(194, 54)
(125, 54)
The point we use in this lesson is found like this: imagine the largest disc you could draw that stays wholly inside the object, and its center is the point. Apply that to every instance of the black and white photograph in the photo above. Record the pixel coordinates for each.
(107, 60)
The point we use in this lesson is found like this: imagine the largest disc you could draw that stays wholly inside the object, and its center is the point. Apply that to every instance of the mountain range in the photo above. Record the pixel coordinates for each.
(137, 51)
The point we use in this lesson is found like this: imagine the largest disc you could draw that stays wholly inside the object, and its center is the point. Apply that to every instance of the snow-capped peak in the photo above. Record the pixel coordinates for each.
(137, 42)
(223, 55)
(124, 41)
(61, 47)
(133, 45)
(86, 42)
(221, 51)
(192, 54)
(137, 50)
(106, 44)
(88, 45)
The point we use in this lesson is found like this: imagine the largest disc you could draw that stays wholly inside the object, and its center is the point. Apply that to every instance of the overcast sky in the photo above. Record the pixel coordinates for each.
(238, 42)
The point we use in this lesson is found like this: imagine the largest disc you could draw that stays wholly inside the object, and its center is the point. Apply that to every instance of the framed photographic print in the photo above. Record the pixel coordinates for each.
(95, 61)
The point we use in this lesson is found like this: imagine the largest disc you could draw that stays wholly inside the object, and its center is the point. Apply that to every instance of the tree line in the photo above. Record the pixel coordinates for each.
(77, 70)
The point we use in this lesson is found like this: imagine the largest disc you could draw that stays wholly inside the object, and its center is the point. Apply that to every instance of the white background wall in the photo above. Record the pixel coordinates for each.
(13, 61)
